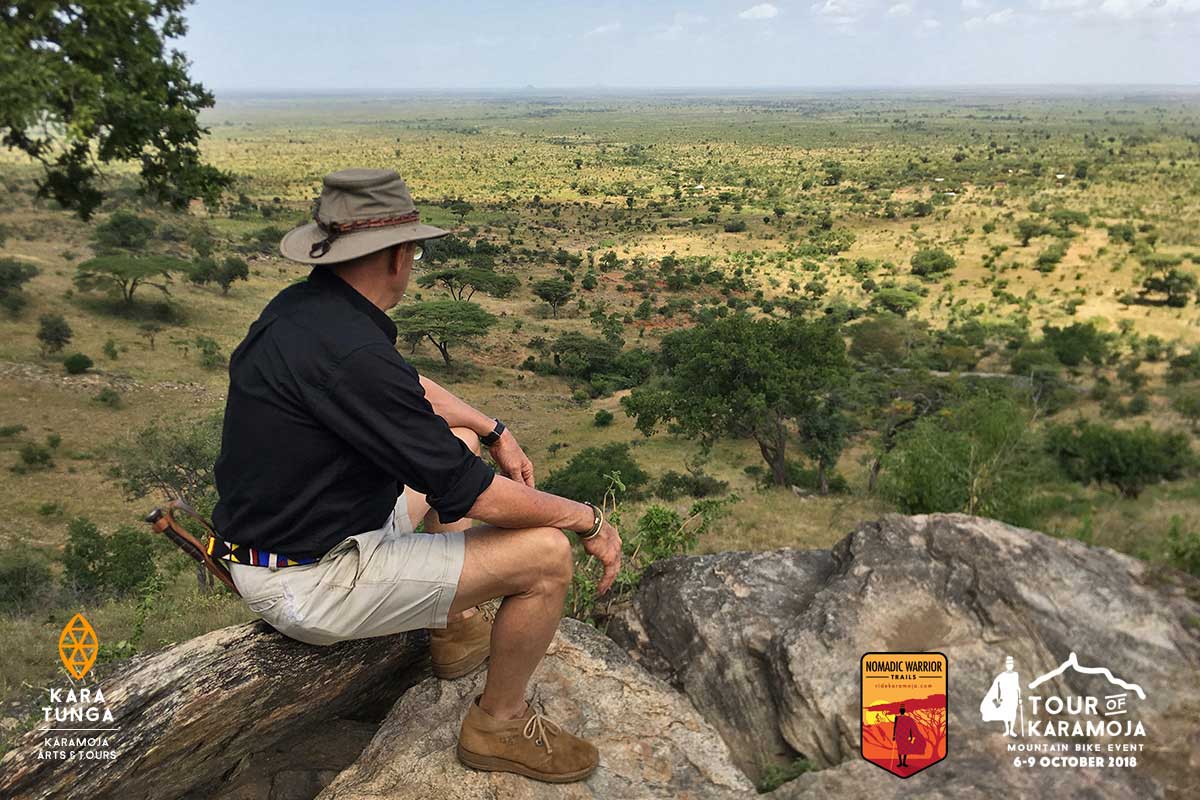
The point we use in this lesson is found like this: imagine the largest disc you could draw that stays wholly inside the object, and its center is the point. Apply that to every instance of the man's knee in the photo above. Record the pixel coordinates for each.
(470, 439)
(554, 557)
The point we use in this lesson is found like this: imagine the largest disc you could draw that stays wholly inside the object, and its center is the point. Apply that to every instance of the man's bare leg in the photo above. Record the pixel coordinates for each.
(531, 569)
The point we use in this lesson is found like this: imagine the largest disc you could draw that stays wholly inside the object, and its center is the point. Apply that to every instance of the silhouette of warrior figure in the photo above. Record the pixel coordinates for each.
(907, 737)
(1002, 701)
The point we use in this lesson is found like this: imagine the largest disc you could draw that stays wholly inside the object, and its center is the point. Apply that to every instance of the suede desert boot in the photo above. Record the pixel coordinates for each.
(533, 746)
(461, 646)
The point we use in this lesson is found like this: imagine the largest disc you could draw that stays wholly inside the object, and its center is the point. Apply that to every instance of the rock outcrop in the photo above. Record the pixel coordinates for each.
(652, 742)
(189, 716)
(974, 589)
(722, 665)
(706, 624)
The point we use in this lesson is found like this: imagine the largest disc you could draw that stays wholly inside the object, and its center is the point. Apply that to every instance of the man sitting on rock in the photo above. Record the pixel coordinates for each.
(333, 446)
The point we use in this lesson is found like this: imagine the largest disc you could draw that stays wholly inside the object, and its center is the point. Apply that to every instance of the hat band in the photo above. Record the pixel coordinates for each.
(335, 229)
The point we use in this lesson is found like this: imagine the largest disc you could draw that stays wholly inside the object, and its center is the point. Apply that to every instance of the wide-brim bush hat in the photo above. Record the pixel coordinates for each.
(359, 211)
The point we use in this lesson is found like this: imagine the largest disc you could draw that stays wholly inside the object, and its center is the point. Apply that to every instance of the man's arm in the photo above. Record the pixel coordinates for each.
(509, 504)
(456, 411)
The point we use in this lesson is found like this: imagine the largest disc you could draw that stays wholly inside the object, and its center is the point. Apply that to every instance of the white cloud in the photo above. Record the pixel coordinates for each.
(760, 11)
(996, 18)
(1120, 10)
(903, 9)
(1148, 9)
(930, 24)
(843, 13)
(603, 30)
(1061, 5)
(973, 5)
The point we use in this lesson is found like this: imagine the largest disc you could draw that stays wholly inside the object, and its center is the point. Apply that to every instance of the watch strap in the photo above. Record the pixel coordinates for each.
(493, 437)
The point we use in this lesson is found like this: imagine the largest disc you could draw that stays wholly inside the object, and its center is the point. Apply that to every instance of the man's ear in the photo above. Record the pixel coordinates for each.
(394, 260)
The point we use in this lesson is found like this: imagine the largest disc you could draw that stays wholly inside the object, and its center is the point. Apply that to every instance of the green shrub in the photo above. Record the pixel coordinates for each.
(24, 579)
(13, 277)
(775, 775)
(109, 397)
(77, 364)
(34, 457)
(118, 563)
(1049, 258)
(171, 458)
(931, 261)
(128, 559)
(53, 333)
(603, 418)
(211, 356)
(672, 484)
(1072, 344)
(659, 533)
(583, 478)
(83, 556)
(897, 301)
(1183, 547)
(980, 457)
(1129, 460)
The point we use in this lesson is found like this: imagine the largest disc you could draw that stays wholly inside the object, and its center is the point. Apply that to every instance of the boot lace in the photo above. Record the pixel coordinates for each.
(538, 726)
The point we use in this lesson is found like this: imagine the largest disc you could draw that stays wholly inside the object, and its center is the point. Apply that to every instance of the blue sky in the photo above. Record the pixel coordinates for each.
(371, 44)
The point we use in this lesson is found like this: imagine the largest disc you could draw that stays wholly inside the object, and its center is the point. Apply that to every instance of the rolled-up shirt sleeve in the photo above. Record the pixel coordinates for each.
(374, 400)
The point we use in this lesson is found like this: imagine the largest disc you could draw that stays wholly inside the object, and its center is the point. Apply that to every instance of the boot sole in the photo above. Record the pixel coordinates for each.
(497, 764)
(456, 669)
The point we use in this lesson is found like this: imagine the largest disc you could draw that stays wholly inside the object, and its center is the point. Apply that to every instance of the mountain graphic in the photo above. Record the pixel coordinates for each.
(1073, 662)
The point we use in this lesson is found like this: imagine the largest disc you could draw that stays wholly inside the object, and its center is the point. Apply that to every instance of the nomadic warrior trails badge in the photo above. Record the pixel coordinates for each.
(904, 710)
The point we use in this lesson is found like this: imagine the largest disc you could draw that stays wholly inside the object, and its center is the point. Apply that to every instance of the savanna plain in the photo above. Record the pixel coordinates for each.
(743, 321)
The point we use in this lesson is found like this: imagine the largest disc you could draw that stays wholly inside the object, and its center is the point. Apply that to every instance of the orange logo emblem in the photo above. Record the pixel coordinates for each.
(77, 646)
(904, 719)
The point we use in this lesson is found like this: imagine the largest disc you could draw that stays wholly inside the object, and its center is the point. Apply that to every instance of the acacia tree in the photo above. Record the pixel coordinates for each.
(443, 323)
(932, 722)
(92, 82)
(740, 377)
(463, 282)
(123, 275)
(554, 291)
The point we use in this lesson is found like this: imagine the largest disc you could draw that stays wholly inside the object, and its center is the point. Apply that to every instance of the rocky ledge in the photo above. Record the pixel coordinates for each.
(720, 669)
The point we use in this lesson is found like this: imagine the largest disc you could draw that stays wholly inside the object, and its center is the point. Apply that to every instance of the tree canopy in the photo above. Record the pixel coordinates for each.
(745, 377)
(443, 323)
(123, 274)
(554, 291)
(92, 82)
(463, 282)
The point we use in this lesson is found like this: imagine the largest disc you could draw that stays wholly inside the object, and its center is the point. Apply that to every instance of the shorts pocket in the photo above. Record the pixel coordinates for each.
(260, 605)
(341, 571)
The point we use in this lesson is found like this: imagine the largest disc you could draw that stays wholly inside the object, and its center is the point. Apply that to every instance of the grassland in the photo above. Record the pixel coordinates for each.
(643, 177)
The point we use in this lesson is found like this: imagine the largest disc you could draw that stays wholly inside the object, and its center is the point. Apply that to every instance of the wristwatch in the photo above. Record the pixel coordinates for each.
(494, 436)
(597, 521)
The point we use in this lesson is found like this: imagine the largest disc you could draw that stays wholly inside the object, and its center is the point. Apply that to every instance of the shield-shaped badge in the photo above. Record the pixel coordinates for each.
(904, 714)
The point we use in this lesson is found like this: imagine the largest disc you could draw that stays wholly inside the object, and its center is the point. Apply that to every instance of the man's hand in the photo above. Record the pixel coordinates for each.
(606, 547)
(509, 456)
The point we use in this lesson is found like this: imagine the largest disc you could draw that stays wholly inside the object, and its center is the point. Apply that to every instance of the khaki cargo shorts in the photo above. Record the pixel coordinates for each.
(371, 584)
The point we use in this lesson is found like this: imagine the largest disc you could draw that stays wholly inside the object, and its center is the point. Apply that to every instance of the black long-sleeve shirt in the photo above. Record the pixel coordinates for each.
(325, 423)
